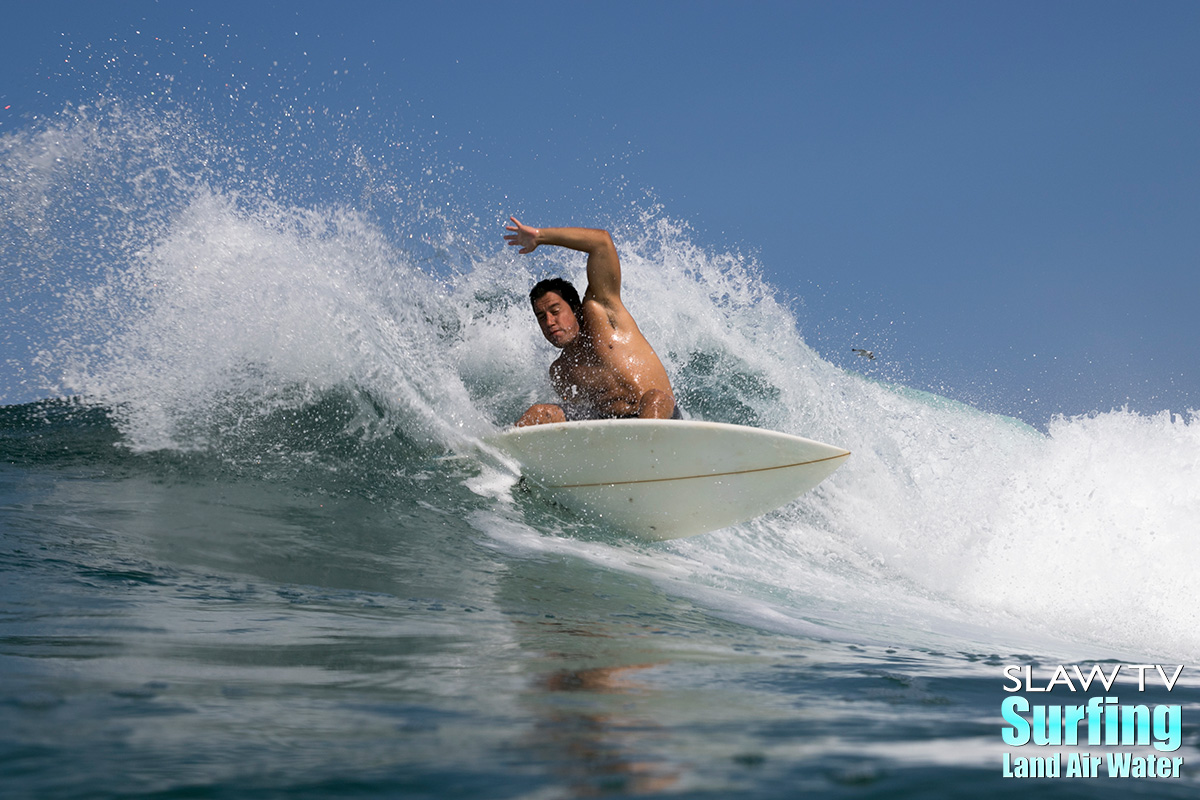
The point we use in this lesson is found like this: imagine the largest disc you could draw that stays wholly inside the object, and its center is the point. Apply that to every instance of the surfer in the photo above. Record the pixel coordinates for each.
(607, 369)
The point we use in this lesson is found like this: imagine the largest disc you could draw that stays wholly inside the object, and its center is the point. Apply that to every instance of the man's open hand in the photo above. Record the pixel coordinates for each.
(523, 236)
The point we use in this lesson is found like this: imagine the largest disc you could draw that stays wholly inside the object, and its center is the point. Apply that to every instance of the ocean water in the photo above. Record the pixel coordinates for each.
(251, 546)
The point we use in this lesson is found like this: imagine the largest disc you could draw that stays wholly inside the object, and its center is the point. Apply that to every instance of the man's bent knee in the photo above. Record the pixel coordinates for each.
(542, 414)
(656, 404)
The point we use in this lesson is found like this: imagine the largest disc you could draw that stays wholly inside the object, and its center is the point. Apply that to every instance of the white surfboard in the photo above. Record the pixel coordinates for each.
(665, 479)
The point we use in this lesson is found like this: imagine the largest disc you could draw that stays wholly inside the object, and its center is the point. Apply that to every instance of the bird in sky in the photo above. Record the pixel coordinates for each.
(867, 354)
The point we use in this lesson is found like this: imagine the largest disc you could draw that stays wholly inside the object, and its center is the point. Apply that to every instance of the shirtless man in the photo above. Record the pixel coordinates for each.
(607, 368)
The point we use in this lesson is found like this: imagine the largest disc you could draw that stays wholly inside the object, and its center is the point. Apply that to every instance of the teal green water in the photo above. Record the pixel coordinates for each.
(186, 625)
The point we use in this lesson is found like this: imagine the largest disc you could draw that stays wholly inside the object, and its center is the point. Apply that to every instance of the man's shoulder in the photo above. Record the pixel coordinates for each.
(604, 318)
(592, 303)
(608, 306)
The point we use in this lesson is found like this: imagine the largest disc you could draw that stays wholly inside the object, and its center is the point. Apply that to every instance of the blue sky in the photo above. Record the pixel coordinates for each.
(1002, 198)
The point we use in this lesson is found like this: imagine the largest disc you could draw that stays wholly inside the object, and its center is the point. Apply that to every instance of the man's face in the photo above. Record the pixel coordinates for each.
(556, 319)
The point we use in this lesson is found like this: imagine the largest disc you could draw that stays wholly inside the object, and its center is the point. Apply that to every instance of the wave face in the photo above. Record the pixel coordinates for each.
(208, 304)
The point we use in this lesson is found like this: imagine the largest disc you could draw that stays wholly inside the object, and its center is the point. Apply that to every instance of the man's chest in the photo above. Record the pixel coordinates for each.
(585, 373)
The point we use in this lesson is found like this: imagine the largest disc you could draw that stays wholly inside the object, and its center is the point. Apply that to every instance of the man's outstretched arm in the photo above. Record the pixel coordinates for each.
(603, 265)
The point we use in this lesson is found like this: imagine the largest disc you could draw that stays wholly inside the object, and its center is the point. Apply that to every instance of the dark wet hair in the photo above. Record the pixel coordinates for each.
(560, 287)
